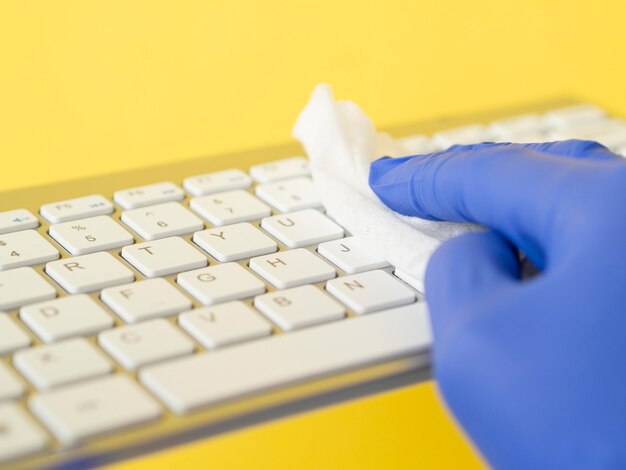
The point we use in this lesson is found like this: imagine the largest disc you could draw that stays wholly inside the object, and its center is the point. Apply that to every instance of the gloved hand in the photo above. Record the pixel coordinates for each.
(534, 370)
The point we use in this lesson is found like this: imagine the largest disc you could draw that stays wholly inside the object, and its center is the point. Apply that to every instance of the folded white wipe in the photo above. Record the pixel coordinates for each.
(341, 142)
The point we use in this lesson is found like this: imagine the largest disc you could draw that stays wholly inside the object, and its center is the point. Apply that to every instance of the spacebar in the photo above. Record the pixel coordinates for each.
(197, 381)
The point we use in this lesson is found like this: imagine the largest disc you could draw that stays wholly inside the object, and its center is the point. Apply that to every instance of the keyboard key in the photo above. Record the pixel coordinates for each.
(87, 206)
(222, 324)
(96, 407)
(18, 219)
(229, 207)
(164, 257)
(10, 386)
(23, 286)
(73, 315)
(12, 337)
(88, 273)
(145, 299)
(299, 307)
(216, 182)
(350, 255)
(25, 248)
(162, 221)
(57, 364)
(472, 134)
(20, 435)
(152, 341)
(234, 242)
(292, 268)
(574, 115)
(290, 195)
(280, 169)
(302, 228)
(288, 358)
(84, 236)
(150, 194)
(370, 291)
(220, 283)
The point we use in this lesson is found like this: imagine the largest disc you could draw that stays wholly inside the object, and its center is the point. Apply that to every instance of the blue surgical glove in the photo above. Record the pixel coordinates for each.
(533, 369)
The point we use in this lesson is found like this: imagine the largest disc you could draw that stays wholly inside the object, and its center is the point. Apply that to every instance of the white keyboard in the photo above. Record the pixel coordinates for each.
(125, 309)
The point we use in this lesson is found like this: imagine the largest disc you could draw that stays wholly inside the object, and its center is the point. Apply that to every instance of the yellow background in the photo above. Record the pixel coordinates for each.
(91, 87)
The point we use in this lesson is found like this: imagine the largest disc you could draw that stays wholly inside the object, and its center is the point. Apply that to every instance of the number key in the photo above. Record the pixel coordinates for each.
(84, 236)
(290, 195)
(161, 221)
(229, 207)
(25, 248)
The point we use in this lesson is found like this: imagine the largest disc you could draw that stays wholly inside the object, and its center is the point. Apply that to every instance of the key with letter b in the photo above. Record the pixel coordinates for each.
(299, 307)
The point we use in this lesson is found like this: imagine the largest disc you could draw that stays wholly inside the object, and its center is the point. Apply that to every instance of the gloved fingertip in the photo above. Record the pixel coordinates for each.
(392, 182)
(382, 165)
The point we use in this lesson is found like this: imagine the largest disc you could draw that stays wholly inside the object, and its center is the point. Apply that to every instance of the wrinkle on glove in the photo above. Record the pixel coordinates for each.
(341, 142)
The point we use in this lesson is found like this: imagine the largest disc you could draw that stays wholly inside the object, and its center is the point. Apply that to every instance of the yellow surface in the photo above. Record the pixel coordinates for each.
(87, 87)
(402, 429)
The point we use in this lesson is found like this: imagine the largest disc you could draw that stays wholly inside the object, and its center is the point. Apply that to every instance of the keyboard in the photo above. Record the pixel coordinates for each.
(145, 309)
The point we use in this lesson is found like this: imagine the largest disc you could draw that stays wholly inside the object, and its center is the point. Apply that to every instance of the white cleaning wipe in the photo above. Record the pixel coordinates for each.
(341, 142)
